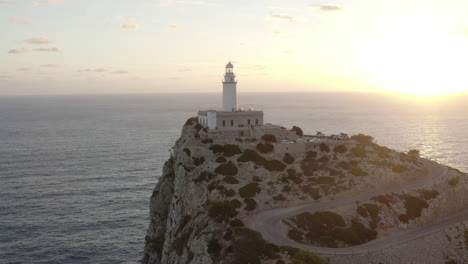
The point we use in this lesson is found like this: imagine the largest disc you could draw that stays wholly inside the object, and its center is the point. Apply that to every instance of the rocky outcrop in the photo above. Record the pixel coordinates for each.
(213, 183)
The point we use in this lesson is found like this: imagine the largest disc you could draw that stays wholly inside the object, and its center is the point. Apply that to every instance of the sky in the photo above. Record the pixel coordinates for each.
(176, 46)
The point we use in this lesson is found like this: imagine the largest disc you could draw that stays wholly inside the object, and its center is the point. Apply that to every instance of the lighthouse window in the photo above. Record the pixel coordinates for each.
(224, 123)
(248, 121)
(232, 122)
(256, 121)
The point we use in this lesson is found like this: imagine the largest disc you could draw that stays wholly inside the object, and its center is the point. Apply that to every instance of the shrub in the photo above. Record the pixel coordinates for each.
(247, 247)
(236, 222)
(288, 158)
(221, 211)
(217, 148)
(230, 150)
(340, 149)
(323, 180)
(368, 209)
(252, 156)
(187, 151)
(207, 141)
(265, 147)
(256, 179)
(279, 197)
(358, 172)
(230, 180)
(198, 127)
(384, 199)
(414, 206)
(324, 147)
(274, 165)
(299, 256)
(428, 194)
(227, 169)
(298, 131)
(198, 161)
(454, 181)
(214, 248)
(249, 190)
(359, 152)
(311, 155)
(221, 159)
(205, 176)
(236, 203)
(191, 121)
(363, 139)
(399, 168)
(250, 204)
(269, 138)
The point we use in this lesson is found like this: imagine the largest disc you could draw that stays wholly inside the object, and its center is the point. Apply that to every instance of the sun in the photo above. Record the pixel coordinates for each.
(420, 56)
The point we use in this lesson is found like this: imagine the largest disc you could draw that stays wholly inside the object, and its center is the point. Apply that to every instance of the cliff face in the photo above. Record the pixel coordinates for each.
(212, 186)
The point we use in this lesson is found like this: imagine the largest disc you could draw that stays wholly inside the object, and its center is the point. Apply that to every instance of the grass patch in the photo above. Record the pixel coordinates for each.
(249, 190)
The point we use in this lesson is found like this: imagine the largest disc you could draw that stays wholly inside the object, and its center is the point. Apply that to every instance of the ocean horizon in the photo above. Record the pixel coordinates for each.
(77, 171)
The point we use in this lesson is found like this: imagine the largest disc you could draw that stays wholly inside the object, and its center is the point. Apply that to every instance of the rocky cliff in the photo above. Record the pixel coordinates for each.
(213, 185)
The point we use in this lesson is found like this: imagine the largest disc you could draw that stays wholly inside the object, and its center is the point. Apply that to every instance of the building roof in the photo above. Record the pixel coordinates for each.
(229, 65)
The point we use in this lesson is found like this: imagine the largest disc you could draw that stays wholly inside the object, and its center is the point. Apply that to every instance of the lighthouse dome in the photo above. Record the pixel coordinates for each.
(229, 65)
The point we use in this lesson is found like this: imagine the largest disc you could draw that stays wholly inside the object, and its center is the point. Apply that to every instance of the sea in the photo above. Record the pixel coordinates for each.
(77, 172)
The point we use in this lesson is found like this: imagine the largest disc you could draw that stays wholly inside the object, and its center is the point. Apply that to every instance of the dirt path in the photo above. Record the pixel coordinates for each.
(269, 223)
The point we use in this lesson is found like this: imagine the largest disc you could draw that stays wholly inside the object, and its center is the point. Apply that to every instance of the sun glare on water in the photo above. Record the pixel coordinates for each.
(421, 57)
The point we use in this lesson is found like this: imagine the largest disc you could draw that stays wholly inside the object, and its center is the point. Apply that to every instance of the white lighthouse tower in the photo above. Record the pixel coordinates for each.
(229, 89)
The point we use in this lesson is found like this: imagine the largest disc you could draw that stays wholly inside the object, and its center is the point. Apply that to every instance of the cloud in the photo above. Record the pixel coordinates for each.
(6, 3)
(18, 51)
(97, 70)
(23, 69)
(53, 49)
(120, 72)
(50, 65)
(21, 21)
(54, 2)
(129, 26)
(288, 18)
(174, 26)
(330, 8)
(38, 41)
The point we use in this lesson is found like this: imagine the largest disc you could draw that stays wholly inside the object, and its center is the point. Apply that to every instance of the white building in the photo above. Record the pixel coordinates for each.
(231, 118)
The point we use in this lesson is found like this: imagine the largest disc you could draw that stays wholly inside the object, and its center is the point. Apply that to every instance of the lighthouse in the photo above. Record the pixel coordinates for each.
(229, 89)
(230, 120)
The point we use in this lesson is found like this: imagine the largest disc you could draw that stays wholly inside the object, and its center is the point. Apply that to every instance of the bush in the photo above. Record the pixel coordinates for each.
(358, 152)
(247, 247)
(187, 151)
(205, 176)
(227, 169)
(324, 147)
(279, 197)
(221, 159)
(414, 206)
(236, 222)
(217, 148)
(274, 165)
(323, 180)
(358, 172)
(428, 194)
(191, 121)
(299, 256)
(230, 150)
(214, 248)
(298, 131)
(198, 127)
(363, 139)
(265, 147)
(249, 190)
(250, 204)
(207, 141)
(454, 181)
(269, 138)
(288, 158)
(222, 211)
(399, 168)
(230, 180)
(252, 156)
(340, 149)
(198, 161)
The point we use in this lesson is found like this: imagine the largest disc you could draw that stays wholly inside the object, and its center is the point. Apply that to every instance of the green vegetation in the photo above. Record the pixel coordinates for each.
(236, 222)
(198, 161)
(222, 211)
(228, 150)
(269, 138)
(231, 180)
(363, 139)
(329, 229)
(288, 158)
(265, 147)
(180, 243)
(324, 147)
(191, 121)
(217, 148)
(414, 206)
(214, 248)
(207, 141)
(221, 159)
(298, 131)
(249, 247)
(250, 204)
(358, 152)
(299, 256)
(323, 180)
(227, 169)
(399, 168)
(198, 127)
(387, 199)
(274, 165)
(187, 151)
(253, 156)
(428, 194)
(340, 149)
(205, 176)
(454, 181)
(249, 190)
(356, 171)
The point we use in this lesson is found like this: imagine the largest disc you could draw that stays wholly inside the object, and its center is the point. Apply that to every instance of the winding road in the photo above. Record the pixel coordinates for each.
(269, 223)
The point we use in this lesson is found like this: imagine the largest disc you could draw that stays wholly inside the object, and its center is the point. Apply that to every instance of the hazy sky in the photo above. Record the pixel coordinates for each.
(151, 46)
